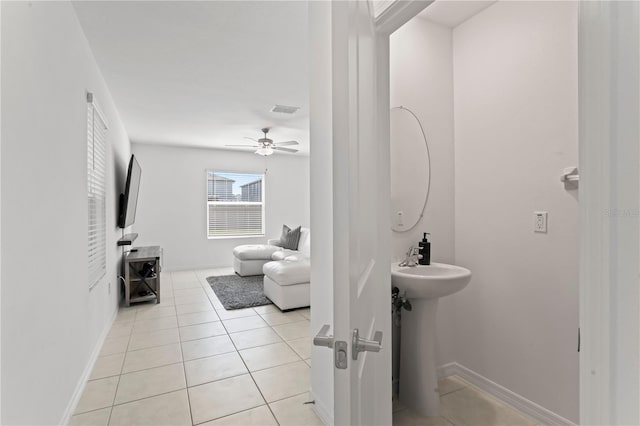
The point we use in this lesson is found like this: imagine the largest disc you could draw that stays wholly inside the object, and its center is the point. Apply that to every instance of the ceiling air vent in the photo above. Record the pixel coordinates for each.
(285, 109)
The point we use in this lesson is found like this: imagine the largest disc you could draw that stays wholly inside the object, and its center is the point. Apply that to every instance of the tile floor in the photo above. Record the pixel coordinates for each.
(188, 361)
(462, 404)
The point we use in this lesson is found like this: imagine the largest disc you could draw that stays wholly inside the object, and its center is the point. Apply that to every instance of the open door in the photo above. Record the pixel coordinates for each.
(362, 277)
(361, 340)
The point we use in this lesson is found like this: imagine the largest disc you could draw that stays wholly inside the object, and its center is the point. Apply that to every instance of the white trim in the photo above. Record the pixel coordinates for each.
(508, 397)
(397, 14)
(82, 382)
(325, 415)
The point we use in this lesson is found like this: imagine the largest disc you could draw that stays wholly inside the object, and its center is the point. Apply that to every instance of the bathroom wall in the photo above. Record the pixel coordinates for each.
(421, 65)
(516, 121)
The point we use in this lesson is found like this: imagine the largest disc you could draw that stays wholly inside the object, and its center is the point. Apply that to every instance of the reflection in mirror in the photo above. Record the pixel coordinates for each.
(410, 170)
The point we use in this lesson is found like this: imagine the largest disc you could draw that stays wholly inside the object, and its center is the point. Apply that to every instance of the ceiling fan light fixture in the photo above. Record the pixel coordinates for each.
(264, 150)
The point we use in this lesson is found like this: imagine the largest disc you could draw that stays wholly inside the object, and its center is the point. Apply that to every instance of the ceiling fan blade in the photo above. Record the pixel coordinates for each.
(245, 146)
(287, 143)
(251, 139)
(285, 149)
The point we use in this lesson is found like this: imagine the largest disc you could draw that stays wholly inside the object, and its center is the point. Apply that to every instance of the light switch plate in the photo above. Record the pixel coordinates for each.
(540, 222)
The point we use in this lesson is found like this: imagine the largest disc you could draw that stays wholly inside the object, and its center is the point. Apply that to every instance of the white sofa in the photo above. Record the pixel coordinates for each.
(286, 272)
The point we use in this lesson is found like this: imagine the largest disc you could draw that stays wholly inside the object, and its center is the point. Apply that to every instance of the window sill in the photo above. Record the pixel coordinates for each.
(230, 237)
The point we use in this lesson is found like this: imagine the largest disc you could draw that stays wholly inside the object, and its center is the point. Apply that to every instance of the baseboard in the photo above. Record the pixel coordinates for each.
(321, 411)
(512, 399)
(82, 382)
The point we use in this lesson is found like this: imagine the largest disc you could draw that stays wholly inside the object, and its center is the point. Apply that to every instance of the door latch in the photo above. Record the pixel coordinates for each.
(358, 344)
(339, 347)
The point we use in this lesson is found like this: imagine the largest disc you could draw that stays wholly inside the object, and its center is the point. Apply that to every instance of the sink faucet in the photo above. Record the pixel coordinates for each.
(411, 258)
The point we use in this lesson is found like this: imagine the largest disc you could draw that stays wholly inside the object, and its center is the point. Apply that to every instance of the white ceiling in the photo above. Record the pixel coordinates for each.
(452, 13)
(203, 73)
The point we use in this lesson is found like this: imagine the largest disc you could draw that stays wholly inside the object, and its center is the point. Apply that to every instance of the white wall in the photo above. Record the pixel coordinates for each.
(421, 67)
(321, 163)
(172, 201)
(51, 322)
(515, 80)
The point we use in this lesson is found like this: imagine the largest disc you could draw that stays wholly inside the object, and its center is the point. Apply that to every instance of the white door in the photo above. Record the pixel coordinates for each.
(361, 228)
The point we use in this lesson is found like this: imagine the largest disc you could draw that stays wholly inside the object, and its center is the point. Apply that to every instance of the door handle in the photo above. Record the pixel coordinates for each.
(323, 338)
(339, 348)
(358, 344)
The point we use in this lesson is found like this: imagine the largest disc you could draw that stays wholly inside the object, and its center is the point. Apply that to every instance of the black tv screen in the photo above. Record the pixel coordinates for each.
(129, 200)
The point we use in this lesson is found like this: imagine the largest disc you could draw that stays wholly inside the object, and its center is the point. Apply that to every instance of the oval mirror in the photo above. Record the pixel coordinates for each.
(410, 170)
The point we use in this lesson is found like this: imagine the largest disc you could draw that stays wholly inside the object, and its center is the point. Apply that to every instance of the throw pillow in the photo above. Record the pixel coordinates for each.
(290, 238)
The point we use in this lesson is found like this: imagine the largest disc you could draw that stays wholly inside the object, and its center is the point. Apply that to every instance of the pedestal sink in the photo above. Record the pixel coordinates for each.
(423, 286)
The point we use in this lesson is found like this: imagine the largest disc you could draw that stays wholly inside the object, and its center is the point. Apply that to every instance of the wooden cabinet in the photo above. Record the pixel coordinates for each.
(142, 274)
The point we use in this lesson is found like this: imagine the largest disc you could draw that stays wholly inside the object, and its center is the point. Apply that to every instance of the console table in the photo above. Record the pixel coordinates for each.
(142, 274)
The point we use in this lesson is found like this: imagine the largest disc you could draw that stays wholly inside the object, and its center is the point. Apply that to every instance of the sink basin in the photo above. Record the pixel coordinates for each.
(423, 285)
(429, 281)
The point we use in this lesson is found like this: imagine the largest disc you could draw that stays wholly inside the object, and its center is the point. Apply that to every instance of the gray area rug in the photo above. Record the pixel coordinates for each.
(236, 292)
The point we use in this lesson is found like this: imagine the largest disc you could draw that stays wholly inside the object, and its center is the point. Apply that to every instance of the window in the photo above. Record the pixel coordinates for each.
(96, 192)
(235, 204)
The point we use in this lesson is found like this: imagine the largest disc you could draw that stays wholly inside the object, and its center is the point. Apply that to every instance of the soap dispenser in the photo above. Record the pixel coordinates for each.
(425, 251)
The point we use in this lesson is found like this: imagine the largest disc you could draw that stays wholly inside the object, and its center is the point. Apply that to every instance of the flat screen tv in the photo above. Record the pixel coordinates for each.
(129, 200)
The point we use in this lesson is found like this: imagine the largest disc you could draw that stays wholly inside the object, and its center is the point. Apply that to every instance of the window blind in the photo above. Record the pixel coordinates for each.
(235, 204)
(96, 192)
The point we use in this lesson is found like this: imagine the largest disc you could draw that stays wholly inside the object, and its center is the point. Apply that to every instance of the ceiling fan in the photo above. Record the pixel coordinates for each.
(265, 146)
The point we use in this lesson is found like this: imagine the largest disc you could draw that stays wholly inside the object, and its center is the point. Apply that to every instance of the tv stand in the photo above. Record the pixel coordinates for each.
(142, 275)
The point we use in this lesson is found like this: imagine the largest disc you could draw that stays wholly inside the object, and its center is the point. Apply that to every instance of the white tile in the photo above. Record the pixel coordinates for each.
(159, 311)
(178, 276)
(294, 330)
(277, 318)
(92, 418)
(120, 329)
(152, 357)
(204, 370)
(188, 292)
(266, 309)
(126, 314)
(222, 398)
(408, 418)
(283, 381)
(301, 346)
(200, 331)
(306, 312)
(114, 345)
(143, 326)
(236, 313)
(243, 324)
(197, 318)
(196, 307)
(450, 384)
(294, 412)
(253, 338)
(107, 366)
(146, 383)
(154, 338)
(190, 300)
(228, 270)
(268, 356)
(207, 347)
(470, 407)
(203, 274)
(260, 416)
(183, 285)
(97, 394)
(168, 409)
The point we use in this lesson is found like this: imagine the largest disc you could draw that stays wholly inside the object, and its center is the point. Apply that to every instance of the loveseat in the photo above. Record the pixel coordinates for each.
(286, 272)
